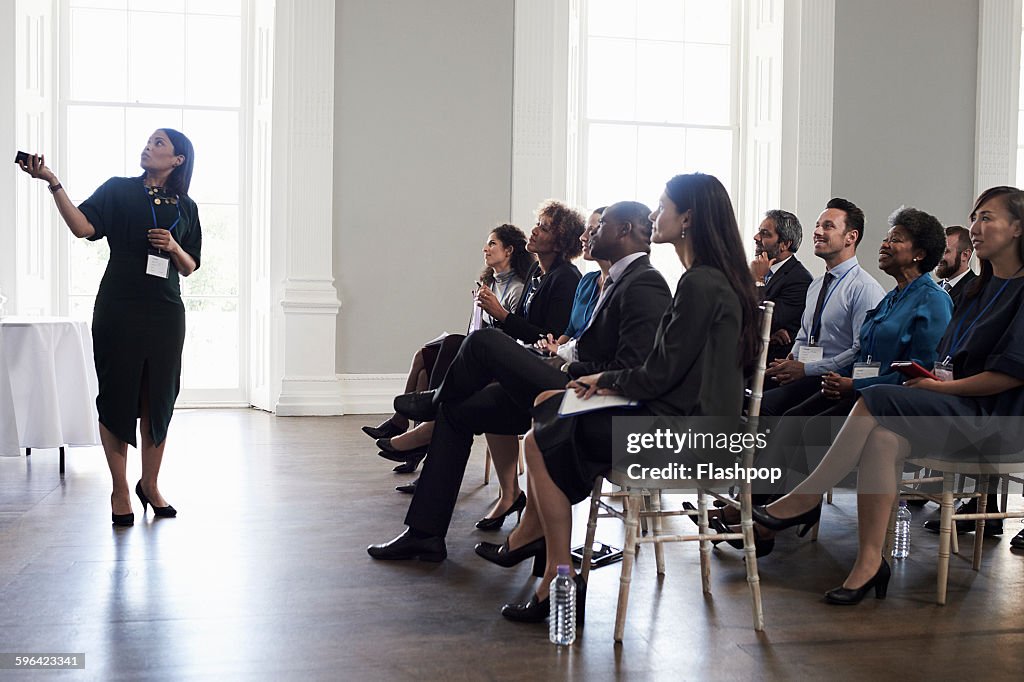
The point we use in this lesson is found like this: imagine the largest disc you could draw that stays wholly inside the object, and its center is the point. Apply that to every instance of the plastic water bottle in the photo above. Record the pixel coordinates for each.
(901, 543)
(562, 621)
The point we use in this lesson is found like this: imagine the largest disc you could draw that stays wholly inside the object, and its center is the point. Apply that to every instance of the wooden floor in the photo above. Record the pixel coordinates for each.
(264, 576)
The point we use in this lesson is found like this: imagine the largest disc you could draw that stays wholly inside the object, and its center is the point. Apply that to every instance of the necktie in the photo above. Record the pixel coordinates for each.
(816, 319)
(768, 276)
(946, 286)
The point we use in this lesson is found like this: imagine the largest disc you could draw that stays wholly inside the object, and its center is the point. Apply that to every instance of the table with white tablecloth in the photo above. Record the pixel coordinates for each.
(47, 384)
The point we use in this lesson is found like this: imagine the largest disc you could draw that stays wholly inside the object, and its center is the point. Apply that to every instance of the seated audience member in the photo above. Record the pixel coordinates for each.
(493, 382)
(962, 414)
(907, 324)
(954, 270)
(836, 304)
(706, 340)
(507, 265)
(780, 277)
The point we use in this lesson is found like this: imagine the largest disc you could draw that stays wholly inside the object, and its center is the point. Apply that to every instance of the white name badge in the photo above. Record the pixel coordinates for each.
(811, 354)
(158, 266)
(866, 370)
(943, 371)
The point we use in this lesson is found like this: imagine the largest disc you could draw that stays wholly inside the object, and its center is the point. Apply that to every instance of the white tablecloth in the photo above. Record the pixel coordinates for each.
(47, 384)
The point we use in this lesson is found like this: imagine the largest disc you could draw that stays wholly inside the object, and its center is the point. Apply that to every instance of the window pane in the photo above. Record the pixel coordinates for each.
(611, 164)
(214, 136)
(139, 125)
(707, 85)
(611, 79)
(99, 48)
(230, 8)
(659, 98)
(661, 153)
(710, 151)
(661, 19)
(611, 17)
(95, 148)
(218, 271)
(109, 4)
(157, 6)
(210, 357)
(213, 61)
(708, 22)
(88, 261)
(148, 82)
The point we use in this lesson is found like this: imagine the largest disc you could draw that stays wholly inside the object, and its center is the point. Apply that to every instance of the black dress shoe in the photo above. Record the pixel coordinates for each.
(992, 526)
(408, 488)
(506, 558)
(123, 519)
(407, 547)
(843, 596)
(809, 519)
(390, 452)
(166, 512)
(386, 429)
(419, 407)
(533, 611)
(496, 522)
(763, 546)
(1018, 541)
(408, 466)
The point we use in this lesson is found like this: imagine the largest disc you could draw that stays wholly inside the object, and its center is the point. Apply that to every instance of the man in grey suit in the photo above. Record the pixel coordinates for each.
(953, 271)
(780, 277)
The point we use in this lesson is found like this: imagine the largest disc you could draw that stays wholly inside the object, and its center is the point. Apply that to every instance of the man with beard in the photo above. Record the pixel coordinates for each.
(780, 277)
(953, 271)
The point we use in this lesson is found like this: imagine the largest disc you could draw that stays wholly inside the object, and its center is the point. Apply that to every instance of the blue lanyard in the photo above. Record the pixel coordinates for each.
(177, 205)
(959, 338)
(816, 324)
(528, 294)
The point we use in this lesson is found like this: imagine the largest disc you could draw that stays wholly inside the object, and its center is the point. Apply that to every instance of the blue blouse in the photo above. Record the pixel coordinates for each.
(587, 293)
(907, 325)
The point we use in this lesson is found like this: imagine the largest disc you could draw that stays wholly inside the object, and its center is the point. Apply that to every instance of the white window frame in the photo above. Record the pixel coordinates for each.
(998, 100)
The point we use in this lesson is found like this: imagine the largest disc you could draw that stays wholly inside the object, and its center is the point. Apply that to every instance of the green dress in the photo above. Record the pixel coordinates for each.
(138, 324)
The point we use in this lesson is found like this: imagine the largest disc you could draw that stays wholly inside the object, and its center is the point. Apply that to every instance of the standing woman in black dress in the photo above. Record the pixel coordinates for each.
(138, 325)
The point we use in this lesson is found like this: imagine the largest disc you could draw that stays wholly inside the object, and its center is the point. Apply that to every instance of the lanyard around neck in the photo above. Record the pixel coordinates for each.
(152, 209)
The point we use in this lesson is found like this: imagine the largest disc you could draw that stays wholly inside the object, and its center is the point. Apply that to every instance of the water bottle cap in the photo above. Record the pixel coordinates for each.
(903, 503)
(563, 569)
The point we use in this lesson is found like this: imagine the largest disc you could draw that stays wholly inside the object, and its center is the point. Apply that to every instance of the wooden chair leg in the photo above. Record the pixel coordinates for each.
(487, 467)
(979, 525)
(645, 506)
(588, 545)
(828, 496)
(705, 545)
(522, 462)
(633, 504)
(750, 554)
(814, 530)
(945, 531)
(659, 548)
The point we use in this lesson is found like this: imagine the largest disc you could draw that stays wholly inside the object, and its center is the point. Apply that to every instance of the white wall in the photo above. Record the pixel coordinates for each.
(904, 103)
(423, 95)
(9, 173)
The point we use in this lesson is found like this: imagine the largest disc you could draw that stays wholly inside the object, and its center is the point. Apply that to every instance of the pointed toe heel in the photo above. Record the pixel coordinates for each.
(496, 522)
(844, 596)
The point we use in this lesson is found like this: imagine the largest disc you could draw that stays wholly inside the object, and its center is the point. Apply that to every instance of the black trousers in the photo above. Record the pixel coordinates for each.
(782, 397)
(490, 388)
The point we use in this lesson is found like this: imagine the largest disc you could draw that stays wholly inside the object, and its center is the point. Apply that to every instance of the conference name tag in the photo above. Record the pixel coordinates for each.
(158, 266)
(811, 354)
(943, 371)
(866, 370)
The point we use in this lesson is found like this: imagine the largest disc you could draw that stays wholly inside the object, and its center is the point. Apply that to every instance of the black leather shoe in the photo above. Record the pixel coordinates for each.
(407, 547)
(1018, 541)
(496, 522)
(123, 519)
(809, 519)
(166, 512)
(419, 407)
(390, 452)
(763, 546)
(408, 466)
(992, 526)
(386, 429)
(506, 558)
(533, 611)
(408, 488)
(842, 596)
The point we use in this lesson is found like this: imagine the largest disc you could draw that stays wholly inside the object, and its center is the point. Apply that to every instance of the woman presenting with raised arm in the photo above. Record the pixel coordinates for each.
(138, 326)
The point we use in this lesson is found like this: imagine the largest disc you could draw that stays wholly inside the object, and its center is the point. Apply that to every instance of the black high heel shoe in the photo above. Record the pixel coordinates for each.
(496, 522)
(123, 519)
(390, 452)
(166, 512)
(408, 466)
(386, 429)
(809, 519)
(762, 546)
(843, 596)
(507, 558)
(537, 611)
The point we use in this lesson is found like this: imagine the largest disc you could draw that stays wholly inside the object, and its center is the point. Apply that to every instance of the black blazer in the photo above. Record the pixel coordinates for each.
(550, 304)
(957, 292)
(787, 288)
(622, 331)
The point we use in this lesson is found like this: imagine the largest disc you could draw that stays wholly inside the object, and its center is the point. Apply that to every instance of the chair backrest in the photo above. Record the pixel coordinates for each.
(757, 382)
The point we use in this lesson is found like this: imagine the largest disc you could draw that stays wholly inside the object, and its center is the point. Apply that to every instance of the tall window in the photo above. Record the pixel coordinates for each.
(128, 68)
(658, 97)
(1020, 114)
